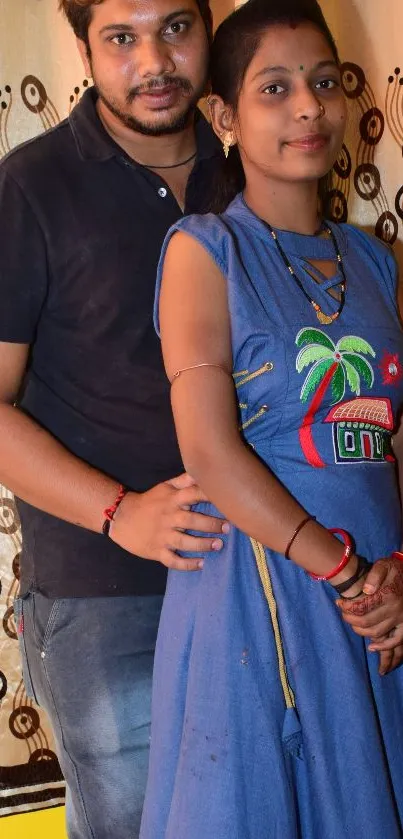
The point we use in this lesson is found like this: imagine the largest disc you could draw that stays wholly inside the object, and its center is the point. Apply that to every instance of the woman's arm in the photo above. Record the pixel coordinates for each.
(195, 329)
(380, 615)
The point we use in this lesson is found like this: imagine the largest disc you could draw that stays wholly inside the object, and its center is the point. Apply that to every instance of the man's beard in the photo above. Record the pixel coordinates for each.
(173, 125)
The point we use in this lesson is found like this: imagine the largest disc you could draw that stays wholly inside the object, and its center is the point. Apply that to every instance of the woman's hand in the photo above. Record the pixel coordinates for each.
(378, 614)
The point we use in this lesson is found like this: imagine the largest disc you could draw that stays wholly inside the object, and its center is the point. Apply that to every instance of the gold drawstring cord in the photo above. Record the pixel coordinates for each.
(264, 574)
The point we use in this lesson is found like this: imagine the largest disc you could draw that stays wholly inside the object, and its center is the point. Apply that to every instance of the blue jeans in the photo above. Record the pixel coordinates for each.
(88, 662)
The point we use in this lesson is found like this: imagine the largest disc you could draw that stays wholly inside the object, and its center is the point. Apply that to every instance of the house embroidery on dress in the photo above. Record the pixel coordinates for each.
(362, 430)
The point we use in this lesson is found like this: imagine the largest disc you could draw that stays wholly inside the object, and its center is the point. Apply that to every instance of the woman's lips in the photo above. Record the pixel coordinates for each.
(310, 143)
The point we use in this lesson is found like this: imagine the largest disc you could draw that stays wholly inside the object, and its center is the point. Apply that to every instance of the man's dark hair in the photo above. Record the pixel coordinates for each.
(235, 43)
(79, 14)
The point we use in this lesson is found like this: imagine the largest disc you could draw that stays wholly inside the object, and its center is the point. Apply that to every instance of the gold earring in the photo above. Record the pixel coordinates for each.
(227, 143)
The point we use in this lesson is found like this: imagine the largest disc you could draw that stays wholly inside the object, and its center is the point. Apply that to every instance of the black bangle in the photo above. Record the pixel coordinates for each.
(354, 597)
(362, 567)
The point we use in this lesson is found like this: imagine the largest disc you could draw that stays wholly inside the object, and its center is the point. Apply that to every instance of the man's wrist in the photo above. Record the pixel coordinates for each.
(110, 512)
(130, 498)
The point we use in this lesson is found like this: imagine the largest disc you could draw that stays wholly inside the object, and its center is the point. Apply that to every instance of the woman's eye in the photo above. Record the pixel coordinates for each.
(327, 84)
(274, 89)
(123, 39)
(177, 28)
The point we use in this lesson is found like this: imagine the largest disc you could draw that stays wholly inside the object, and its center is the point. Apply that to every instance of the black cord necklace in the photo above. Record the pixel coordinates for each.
(173, 165)
(321, 316)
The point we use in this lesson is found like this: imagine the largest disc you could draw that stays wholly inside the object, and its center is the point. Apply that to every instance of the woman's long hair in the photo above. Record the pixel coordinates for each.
(235, 43)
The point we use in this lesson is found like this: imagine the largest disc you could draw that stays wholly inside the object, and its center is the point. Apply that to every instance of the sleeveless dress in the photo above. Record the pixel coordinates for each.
(270, 720)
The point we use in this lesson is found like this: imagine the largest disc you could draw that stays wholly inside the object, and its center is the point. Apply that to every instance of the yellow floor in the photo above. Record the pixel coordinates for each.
(47, 824)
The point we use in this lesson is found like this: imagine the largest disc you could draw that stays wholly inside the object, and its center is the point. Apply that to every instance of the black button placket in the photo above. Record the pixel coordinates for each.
(162, 189)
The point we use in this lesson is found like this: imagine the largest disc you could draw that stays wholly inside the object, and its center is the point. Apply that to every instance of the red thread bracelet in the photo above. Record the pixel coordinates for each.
(110, 512)
(348, 550)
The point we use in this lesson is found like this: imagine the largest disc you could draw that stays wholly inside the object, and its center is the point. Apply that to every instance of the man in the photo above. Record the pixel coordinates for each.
(85, 210)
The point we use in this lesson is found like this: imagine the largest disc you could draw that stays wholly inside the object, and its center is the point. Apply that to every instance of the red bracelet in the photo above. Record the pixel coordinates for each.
(297, 530)
(397, 555)
(348, 550)
(109, 513)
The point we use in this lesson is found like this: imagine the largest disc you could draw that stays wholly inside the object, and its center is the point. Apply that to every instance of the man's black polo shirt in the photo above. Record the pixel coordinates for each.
(81, 229)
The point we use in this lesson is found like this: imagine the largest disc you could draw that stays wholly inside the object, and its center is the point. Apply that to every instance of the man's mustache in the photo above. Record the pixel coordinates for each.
(159, 84)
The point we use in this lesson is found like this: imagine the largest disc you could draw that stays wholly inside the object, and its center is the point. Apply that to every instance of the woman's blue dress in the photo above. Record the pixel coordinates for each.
(270, 720)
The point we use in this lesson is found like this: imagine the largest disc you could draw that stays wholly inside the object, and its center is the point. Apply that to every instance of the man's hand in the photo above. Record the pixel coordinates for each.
(153, 524)
(378, 615)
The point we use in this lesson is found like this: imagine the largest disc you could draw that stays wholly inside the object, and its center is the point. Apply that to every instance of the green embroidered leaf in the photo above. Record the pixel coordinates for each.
(310, 354)
(310, 335)
(351, 343)
(314, 378)
(338, 385)
(362, 366)
(352, 376)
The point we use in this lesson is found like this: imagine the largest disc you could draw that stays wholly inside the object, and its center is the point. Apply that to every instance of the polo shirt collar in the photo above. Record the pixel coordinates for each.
(94, 143)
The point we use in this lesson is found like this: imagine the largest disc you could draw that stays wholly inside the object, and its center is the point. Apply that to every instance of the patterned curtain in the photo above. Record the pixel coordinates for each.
(41, 78)
(369, 173)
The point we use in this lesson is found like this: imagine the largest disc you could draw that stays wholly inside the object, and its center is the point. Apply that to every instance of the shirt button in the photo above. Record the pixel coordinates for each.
(162, 192)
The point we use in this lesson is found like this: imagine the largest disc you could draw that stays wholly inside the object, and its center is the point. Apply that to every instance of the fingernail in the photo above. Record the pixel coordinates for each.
(225, 528)
(372, 649)
(217, 545)
(200, 564)
(368, 589)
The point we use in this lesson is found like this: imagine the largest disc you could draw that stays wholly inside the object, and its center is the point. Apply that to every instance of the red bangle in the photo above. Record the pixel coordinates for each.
(109, 513)
(297, 530)
(348, 550)
(397, 555)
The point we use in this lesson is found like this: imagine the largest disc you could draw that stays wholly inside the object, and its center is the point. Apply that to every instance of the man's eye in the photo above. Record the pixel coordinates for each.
(177, 28)
(123, 39)
(274, 89)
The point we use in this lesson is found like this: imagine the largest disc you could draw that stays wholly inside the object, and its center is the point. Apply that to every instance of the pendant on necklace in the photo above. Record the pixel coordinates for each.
(324, 319)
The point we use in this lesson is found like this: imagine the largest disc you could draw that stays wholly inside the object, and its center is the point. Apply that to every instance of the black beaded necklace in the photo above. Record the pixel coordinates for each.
(321, 316)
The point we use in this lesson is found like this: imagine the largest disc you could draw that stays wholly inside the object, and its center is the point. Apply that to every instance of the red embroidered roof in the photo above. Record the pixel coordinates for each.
(364, 409)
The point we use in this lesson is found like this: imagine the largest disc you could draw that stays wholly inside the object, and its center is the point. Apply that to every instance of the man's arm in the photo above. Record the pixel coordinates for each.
(38, 469)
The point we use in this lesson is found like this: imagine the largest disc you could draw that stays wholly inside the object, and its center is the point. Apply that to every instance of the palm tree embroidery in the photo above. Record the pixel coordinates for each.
(333, 364)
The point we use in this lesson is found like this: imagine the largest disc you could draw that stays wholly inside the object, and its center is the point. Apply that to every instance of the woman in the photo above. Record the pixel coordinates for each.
(282, 340)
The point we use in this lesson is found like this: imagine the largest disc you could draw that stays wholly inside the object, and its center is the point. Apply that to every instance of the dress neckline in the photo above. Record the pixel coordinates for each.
(297, 244)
